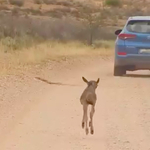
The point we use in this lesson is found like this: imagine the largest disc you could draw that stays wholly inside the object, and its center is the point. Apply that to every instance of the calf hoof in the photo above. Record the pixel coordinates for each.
(82, 124)
(87, 131)
(92, 131)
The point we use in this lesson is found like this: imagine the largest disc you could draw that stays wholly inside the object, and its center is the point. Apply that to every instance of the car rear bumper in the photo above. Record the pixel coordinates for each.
(132, 62)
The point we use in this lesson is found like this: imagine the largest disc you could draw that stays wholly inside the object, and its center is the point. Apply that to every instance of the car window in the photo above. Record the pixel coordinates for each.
(140, 26)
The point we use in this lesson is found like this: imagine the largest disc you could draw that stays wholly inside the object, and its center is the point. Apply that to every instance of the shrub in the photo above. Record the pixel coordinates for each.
(4, 7)
(38, 1)
(35, 12)
(18, 43)
(15, 11)
(113, 2)
(49, 2)
(109, 44)
(17, 2)
(64, 3)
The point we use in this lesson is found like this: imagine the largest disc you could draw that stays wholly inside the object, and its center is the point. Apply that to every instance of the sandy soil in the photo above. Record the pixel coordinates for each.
(38, 116)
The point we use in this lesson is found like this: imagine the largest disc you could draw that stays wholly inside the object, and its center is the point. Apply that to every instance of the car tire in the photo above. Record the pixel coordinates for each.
(119, 71)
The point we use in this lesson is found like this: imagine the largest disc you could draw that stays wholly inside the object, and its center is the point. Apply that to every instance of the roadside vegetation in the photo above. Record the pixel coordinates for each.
(34, 31)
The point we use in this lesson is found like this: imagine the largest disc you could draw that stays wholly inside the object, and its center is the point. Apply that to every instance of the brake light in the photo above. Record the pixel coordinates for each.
(124, 36)
(122, 53)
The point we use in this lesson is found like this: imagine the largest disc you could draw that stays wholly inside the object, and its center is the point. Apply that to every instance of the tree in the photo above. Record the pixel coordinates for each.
(94, 18)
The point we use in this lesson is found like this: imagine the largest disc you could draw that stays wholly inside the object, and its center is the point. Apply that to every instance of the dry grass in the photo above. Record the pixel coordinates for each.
(18, 61)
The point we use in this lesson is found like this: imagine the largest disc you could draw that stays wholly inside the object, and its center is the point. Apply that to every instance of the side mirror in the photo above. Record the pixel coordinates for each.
(117, 32)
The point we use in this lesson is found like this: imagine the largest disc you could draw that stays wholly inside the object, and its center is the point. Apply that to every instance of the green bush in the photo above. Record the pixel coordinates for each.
(113, 2)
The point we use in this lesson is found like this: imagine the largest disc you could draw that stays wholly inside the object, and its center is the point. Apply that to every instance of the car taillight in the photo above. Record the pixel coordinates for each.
(122, 53)
(124, 36)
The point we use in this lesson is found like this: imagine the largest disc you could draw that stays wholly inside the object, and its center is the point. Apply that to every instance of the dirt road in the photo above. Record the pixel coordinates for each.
(38, 116)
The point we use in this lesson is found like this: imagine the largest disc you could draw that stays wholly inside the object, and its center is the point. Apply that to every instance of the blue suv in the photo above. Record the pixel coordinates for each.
(132, 46)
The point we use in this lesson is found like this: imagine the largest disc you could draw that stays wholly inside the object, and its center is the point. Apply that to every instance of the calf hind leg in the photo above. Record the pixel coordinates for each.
(85, 118)
(91, 120)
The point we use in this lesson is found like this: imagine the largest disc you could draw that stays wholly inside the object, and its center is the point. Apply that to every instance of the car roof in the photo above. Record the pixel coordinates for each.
(139, 18)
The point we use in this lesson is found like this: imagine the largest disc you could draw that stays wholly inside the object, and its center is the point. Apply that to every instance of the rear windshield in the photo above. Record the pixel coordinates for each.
(140, 26)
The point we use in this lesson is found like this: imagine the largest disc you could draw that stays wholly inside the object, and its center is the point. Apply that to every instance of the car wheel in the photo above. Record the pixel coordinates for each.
(119, 71)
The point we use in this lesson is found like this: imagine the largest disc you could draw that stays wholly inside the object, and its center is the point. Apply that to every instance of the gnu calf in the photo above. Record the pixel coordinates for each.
(87, 98)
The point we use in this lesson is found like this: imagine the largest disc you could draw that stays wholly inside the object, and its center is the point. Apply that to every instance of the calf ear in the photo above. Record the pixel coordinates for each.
(85, 80)
(97, 81)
